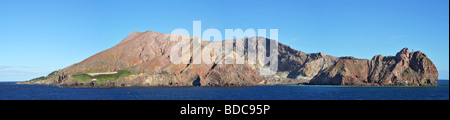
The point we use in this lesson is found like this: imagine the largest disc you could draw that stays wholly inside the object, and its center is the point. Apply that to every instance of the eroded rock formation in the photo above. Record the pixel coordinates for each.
(404, 69)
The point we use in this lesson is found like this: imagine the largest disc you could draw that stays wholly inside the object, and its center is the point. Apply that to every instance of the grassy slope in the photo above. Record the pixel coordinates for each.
(101, 79)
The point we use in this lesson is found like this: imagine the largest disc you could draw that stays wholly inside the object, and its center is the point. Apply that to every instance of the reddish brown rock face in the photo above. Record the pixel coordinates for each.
(405, 69)
(146, 55)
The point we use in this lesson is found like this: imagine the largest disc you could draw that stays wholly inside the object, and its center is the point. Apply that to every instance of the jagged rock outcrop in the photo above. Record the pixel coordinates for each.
(142, 59)
(404, 69)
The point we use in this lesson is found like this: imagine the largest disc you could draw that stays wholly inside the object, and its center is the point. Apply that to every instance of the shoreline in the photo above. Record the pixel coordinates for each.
(142, 86)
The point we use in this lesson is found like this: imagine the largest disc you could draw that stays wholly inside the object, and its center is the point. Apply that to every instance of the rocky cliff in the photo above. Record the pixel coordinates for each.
(404, 69)
(142, 59)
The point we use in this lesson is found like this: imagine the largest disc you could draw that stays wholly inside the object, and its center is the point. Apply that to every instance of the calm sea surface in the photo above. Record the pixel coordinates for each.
(10, 91)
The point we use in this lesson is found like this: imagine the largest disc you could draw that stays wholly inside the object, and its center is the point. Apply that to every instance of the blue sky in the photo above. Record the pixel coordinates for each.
(38, 37)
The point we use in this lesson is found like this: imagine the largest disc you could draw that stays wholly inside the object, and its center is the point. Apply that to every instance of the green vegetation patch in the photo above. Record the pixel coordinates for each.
(38, 79)
(82, 77)
(428, 60)
(123, 73)
(102, 78)
(407, 71)
(52, 74)
(340, 69)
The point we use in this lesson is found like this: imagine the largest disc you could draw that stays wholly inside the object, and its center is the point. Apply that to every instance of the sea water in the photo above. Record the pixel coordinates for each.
(12, 91)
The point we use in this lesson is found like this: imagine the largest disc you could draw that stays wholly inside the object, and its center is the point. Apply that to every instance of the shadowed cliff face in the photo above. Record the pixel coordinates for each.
(404, 69)
(143, 59)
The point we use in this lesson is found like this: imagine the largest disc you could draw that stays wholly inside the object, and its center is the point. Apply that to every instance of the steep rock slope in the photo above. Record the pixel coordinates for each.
(404, 69)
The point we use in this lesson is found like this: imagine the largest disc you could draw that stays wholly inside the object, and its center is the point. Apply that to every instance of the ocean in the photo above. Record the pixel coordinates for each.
(11, 91)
